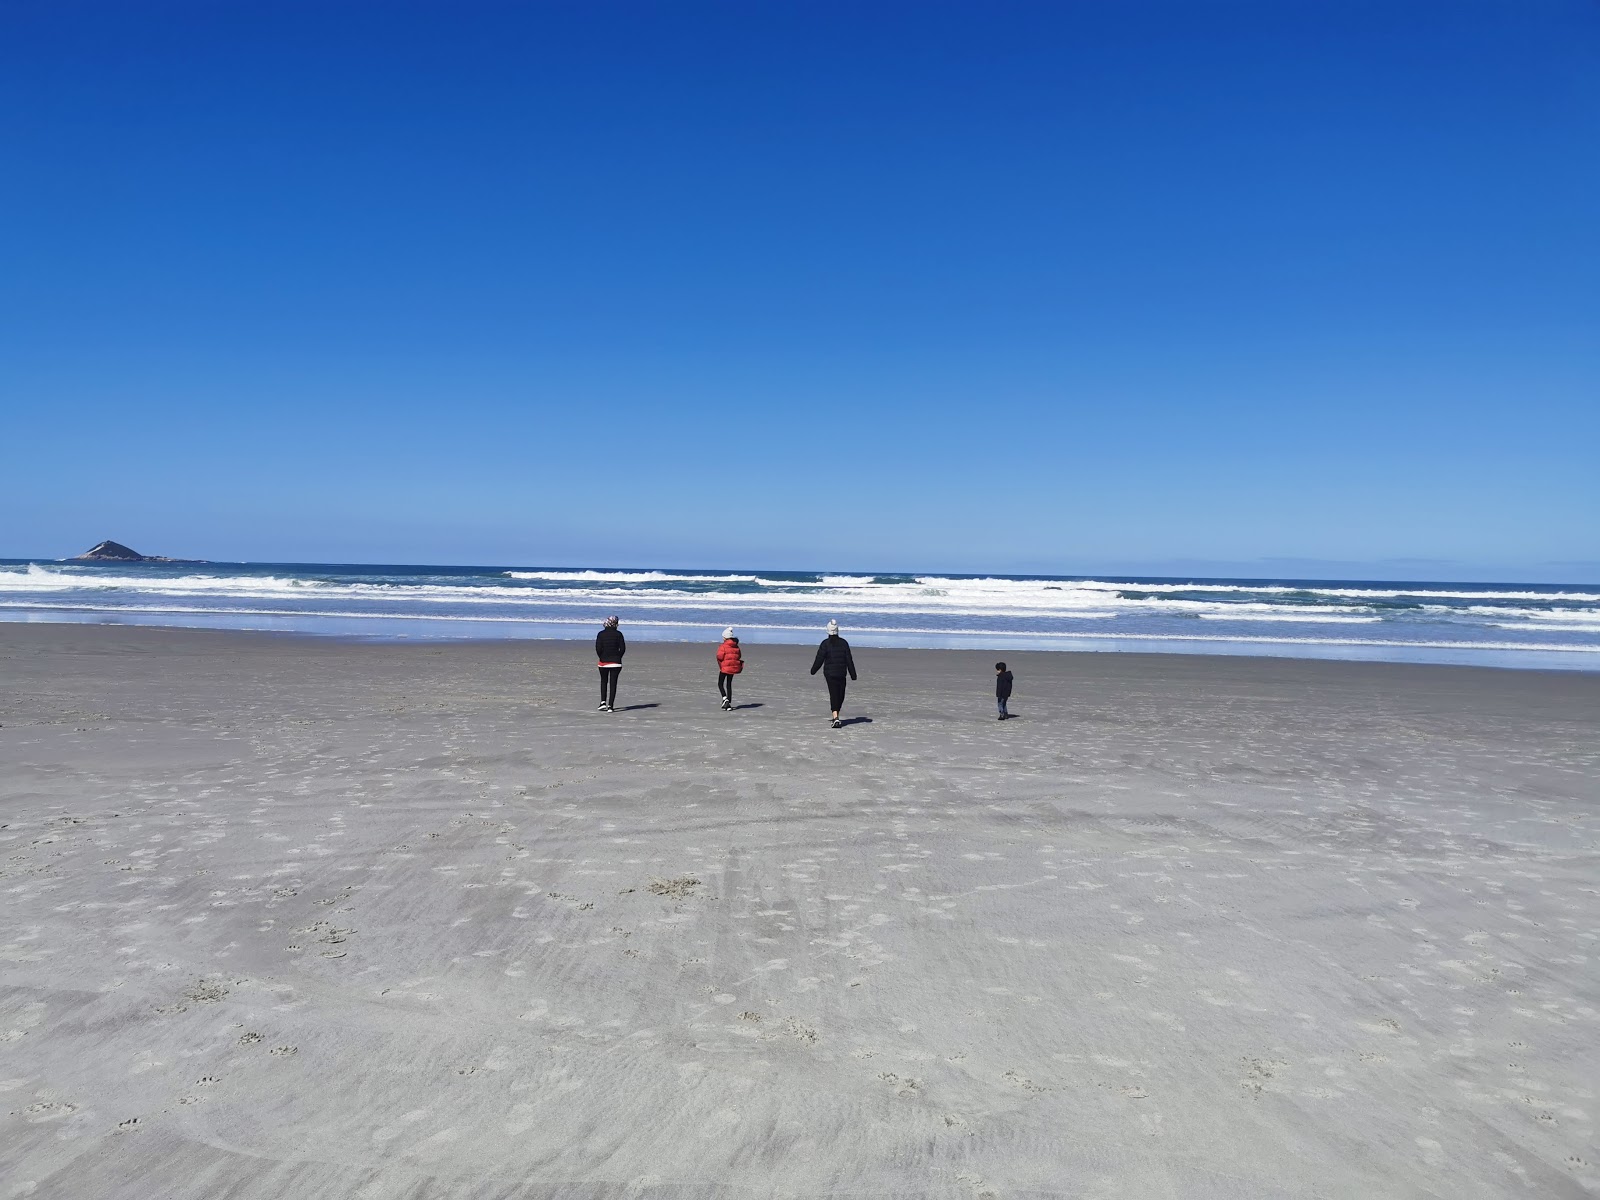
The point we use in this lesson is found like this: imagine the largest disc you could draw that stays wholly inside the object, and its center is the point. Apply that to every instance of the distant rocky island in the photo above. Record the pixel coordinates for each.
(117, 552)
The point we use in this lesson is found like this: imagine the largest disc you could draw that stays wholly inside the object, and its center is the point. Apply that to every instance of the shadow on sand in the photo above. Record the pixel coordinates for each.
(737, 707)
(631, 707)
(856, 721)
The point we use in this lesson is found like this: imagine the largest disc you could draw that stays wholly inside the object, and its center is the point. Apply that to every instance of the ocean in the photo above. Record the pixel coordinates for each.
(1542, 626)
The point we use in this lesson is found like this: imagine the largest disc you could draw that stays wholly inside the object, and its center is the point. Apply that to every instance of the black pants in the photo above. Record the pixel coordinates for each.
(835, 691)
(725, 686)
(608, 684)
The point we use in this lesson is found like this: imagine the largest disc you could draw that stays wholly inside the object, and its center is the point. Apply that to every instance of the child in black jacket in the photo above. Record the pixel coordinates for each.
(1002, 688)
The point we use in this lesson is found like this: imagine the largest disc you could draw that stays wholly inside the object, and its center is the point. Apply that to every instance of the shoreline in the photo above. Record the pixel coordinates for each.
(355, 628)
(704, 647)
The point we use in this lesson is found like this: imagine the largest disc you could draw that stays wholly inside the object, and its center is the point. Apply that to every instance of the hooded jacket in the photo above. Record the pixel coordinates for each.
(729, 660)
(1002, 685)
(833, 657)
(610, 645)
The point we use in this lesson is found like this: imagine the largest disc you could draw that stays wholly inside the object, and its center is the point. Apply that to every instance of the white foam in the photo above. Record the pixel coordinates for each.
(1549, 628)
(47, 579)
(978, 586)
(1308, 618)
(855, 593)
(626, 577)
(1566, 614)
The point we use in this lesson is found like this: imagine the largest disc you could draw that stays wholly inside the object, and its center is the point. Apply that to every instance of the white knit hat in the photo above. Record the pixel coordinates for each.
(727, 633)
(833, 628)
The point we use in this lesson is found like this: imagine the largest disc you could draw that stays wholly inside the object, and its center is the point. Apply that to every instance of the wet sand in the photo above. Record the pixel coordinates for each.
(288, 917)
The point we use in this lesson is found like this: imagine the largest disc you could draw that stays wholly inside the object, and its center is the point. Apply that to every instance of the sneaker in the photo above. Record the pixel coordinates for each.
(602, 707)
(838, 724)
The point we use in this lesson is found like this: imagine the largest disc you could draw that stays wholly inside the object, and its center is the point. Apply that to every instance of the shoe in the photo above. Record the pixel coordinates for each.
(1001, 717)
(838, 724)
(602, 707)
(726, 705)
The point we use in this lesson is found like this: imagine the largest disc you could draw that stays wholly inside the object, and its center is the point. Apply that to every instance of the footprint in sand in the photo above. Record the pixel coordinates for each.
(1259, 1073)
(48, 1110)
(674, 889)
(1432, 1151)
(522, 1118)
(902, 1085)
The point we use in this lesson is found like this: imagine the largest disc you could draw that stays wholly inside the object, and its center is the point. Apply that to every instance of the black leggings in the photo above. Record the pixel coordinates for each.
(608, 684)
(835, 691)
(725, 686)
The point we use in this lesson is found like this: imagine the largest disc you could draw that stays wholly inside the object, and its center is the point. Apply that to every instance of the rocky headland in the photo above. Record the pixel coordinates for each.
(117, 552)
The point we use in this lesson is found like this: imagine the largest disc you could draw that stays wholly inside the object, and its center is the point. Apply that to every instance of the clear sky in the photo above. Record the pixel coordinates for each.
(1052, 287)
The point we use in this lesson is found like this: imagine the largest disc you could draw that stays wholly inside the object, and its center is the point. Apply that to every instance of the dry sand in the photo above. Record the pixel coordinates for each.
(304, 919)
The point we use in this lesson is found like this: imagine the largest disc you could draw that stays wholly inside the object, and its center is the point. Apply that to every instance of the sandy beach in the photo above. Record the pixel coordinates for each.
(291, 917)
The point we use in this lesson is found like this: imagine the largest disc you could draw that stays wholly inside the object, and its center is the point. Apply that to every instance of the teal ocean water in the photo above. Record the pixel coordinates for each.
(1541, 626)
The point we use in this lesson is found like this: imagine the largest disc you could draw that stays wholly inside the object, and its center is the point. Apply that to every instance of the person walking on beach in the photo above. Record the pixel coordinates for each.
(835, 662)
(609, 647)
(729, 663)
(1002, 688)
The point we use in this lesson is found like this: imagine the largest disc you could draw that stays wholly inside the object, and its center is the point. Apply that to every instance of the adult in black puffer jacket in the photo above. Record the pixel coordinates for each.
(609, 647)
(835, 662)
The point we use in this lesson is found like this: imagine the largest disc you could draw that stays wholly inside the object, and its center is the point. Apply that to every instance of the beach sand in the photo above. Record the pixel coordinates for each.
(288, 917)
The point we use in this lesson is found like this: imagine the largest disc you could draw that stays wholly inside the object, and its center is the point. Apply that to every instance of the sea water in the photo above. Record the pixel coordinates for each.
(1513, 625)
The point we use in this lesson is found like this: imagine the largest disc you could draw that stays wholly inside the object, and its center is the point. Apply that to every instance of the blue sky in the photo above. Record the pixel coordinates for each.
(1048, 287)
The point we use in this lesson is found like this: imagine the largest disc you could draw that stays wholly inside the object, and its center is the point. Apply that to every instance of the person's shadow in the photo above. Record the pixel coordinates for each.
(856, 721)
(631, 707)
(737, 707)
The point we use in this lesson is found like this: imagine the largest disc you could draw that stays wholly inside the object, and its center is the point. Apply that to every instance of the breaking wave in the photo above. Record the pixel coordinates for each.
(790, 606)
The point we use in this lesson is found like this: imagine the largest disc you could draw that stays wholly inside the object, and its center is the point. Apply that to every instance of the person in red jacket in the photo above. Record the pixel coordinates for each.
(729, 663)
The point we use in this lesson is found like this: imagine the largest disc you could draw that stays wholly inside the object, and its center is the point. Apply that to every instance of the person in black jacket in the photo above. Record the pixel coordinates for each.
(835, 662)
(609, 647)
(1002, 688)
